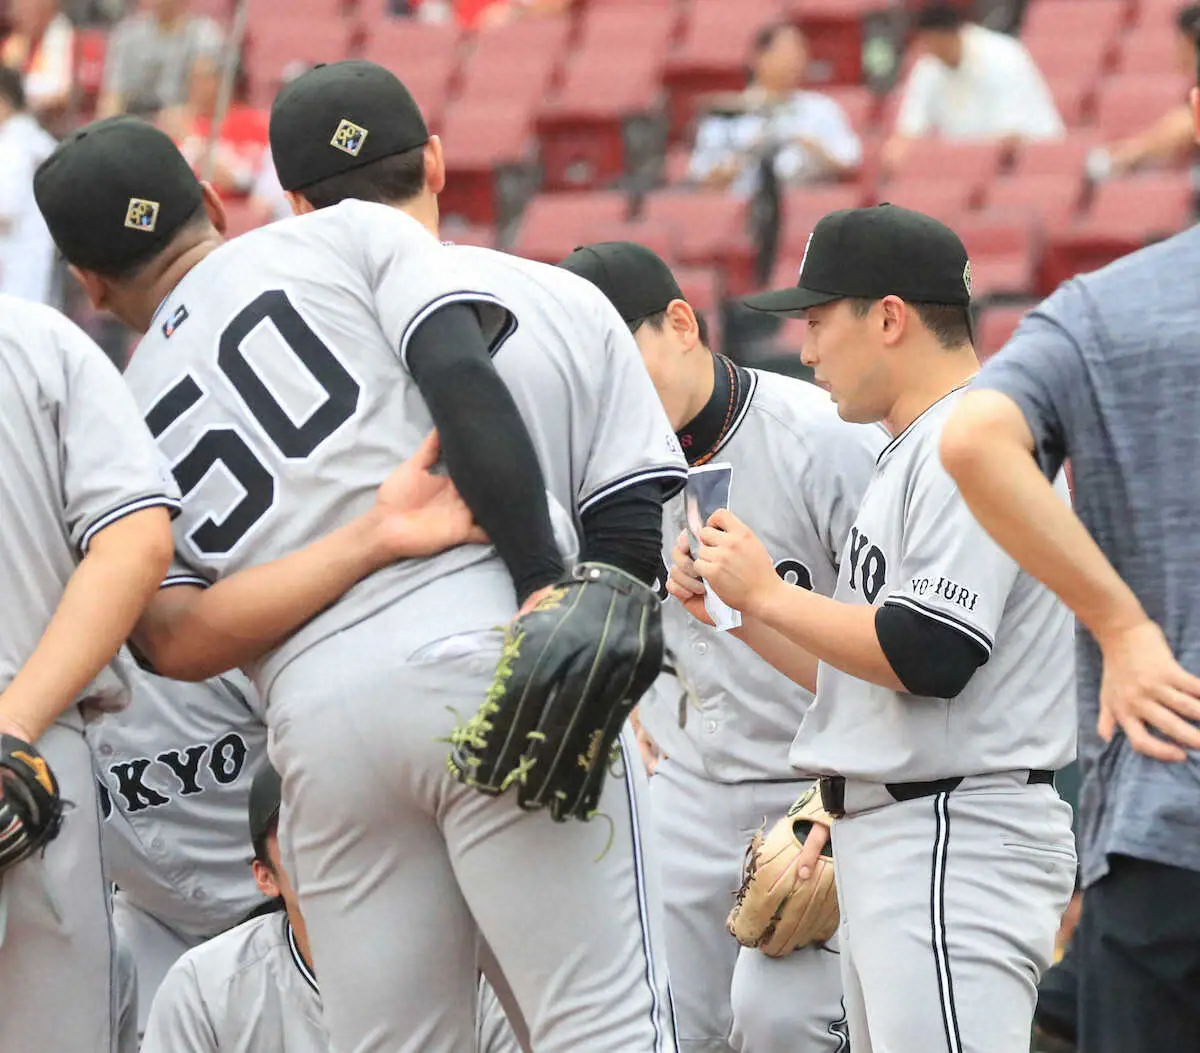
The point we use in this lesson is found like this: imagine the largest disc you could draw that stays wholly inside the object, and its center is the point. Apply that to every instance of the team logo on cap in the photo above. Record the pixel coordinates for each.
(349, 138)
(967, 277)
(141, 214)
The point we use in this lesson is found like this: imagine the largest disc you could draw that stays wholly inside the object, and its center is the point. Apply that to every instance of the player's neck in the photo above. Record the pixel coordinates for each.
(930, 379)
(300, 934)
(141, 311)
(425, 211)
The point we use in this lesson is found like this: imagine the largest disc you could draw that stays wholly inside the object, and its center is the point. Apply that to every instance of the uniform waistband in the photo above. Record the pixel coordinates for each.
(841, 796)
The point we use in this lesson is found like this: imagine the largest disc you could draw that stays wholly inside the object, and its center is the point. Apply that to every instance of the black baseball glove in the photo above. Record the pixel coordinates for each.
(572, 669)
(30, 807)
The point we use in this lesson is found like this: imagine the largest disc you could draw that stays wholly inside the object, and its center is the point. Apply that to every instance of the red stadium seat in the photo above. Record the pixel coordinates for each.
(1055, 156)
(276, 47)
(1126, 104)
(405, 47)
(1083, 54)
(947, 198)
(1072, 18)
(657, 236)
(972, 164)
(860, 104)
(624, 27)
(996, 325)
(710, 229)
(582, 129)
(701, 287)
(1124, 215)
(1051, 199)
(1150, 51)
(479, 141)
(264, 12)
(1074, 97)
(713, 54)
(555, 224)
(516, 62)
(1003, 253)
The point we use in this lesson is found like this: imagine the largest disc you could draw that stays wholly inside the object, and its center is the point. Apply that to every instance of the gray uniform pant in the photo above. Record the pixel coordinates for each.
(57, 949)
(400, 869)
(725, 1001)
(950, 904)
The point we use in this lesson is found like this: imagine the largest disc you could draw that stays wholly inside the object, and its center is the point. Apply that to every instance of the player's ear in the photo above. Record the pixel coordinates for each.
(895, 315)
(682, 320)
(264, 878)
(435, 166)
(93, 285)
(215, 208)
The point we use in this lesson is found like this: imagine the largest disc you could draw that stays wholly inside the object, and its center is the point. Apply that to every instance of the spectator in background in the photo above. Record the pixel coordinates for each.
(970, 83)
(242, 144)
(41, 47)
(1172, 136)
(150, 58)
(806, 133)
(26, 250)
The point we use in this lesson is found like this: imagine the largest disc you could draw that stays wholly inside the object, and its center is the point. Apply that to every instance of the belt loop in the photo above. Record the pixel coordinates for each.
(833, 795)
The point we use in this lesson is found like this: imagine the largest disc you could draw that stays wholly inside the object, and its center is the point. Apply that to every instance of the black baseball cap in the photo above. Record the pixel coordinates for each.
(635, 279)
(340, 116)
(265, 793)
(870, 253)
(114, 194)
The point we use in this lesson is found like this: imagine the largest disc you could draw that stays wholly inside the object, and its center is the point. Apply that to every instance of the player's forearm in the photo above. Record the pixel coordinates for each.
(193, 634)
(840, 634)
(988, 451)
(778, 651)
(102, 601)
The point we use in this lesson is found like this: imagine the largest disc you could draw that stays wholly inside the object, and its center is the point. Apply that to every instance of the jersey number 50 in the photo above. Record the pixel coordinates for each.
(226, 446)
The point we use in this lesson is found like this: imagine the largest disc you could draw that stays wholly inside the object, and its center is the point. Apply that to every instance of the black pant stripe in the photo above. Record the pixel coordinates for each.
(937, 917)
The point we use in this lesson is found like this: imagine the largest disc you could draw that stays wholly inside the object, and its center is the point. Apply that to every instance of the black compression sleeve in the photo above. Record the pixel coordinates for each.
(625, 530)
(929, 658)
(485, 444)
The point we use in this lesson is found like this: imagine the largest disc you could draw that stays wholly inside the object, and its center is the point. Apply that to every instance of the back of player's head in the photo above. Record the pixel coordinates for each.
(938, 17)
(348, 130)
(265, 795)
(12, 89)
(115, 193)
(637, 281)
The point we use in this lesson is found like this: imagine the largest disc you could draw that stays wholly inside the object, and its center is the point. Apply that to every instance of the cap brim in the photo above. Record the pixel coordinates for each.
(784, 301)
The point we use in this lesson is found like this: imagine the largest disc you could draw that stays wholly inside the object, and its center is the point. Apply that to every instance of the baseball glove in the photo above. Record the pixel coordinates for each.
(572, 669)
(30, 807)
(777, 910)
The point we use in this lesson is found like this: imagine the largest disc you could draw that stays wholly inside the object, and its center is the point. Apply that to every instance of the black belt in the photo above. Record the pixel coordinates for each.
(833, 789)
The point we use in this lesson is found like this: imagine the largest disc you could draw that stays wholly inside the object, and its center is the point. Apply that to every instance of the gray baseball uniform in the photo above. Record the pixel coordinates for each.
(244, 991)
(799, 472)
(274, 380)
(78, 458)
(955, 859)
(175, 769)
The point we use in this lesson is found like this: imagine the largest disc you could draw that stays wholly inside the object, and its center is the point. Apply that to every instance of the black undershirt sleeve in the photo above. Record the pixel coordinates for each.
(485, 444)
(625, 530)
(929, 658)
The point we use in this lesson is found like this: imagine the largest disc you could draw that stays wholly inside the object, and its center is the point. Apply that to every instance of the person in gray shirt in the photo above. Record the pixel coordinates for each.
(1105, 373)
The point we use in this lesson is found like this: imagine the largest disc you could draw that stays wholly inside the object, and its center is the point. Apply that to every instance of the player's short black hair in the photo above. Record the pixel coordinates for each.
(391, 180)
(950, 324)
(938, 17)
(658, 321)
(1187, 20)
(259, 845)
(12, 88)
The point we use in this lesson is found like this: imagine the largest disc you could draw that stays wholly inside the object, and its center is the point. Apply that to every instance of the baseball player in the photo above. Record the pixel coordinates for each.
(174, 772)
(252, 987)
(798, 475)
(86, 536)
(943, 702)
(303, 361)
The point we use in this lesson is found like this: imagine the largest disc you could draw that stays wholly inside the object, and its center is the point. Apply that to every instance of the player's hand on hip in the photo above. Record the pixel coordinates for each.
(734, 563)
(418, 513)
(684, 581)
(1148, 695)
